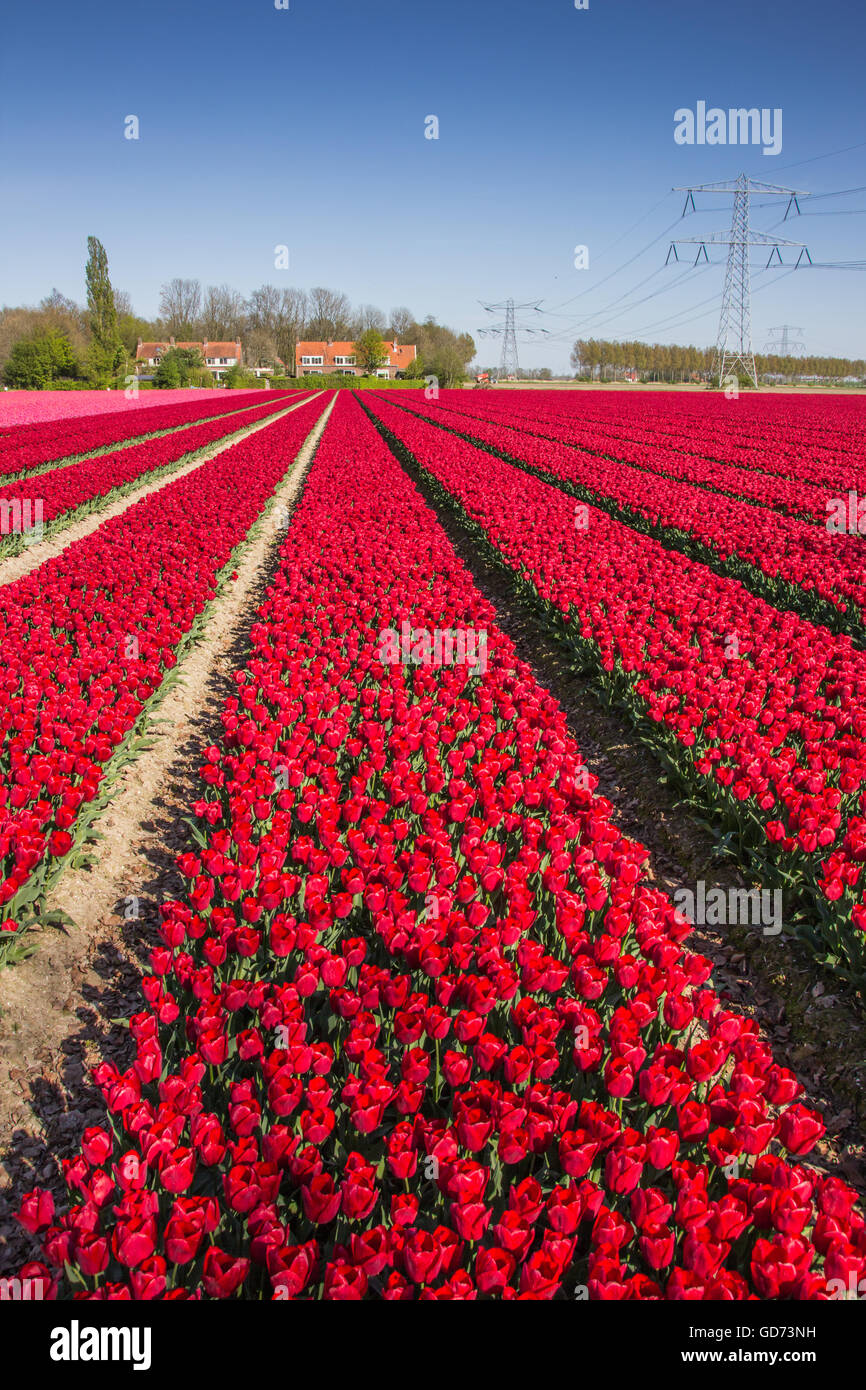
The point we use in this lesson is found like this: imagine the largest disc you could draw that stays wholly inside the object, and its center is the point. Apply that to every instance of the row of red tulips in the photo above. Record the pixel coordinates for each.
(420, 1028)
(790, 435)
(64, 493)
(789, 496)
(752, 435)
(760, 712)
(792, 563)
(29, 446)
(91, 633)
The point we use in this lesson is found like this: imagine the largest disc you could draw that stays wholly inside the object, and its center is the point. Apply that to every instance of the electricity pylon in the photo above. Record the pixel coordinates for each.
(734, 343)
(509, 364)
(785, 346)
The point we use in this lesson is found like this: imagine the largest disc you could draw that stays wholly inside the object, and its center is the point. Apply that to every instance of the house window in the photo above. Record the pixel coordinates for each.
(344, 361)
(312, 361)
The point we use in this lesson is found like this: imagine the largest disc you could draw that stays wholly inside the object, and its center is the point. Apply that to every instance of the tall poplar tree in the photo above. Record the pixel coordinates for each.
(106, 350)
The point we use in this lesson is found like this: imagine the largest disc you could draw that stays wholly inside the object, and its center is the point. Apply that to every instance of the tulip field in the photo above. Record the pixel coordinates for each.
(422, 1024)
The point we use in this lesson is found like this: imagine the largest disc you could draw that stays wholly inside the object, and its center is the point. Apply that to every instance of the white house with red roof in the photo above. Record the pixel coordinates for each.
(325, 359)
(218, 357)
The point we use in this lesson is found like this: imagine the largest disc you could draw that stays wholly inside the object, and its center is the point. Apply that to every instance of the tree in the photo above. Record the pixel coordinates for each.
(330, 316)
(260, 348)
(236, 376)
(275, 320)
(441, 352)
(263, 308)
(36, 363)
(167, 374)
(448, 366)
(416, 369)
(402, 323)
(223, 314)
(290, 325)
(63, 311)
(180, 308)
(105, 353)
(370, 352)
(129, 326)
(181, 367)
(368, 316)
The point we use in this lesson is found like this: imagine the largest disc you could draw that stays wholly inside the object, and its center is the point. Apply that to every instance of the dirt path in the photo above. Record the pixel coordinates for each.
(17, 566)
(59, 1009)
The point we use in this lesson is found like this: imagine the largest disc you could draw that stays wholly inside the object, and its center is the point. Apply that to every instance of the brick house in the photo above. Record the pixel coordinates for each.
(324, 359)
(218, 357)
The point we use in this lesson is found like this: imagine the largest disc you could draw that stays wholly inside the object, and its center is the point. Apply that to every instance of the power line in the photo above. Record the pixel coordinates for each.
(691, 317)
(841, 193)
(665, 289)
(618, 270)
(831, 154)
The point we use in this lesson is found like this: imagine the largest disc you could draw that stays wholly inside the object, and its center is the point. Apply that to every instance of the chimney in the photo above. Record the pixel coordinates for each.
(171, 342)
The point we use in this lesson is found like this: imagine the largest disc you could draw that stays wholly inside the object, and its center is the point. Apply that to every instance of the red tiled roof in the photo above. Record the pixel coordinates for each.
(399, 356)
(148, 350)
(216, 349)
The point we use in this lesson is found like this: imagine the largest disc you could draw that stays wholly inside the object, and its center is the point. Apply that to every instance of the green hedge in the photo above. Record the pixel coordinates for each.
(337, 381)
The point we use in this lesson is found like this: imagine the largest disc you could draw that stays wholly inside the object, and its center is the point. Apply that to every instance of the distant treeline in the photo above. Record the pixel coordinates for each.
(601, 357)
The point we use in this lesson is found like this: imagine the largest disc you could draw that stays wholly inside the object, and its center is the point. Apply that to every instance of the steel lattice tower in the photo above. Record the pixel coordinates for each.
(784, 346)
(509, 364)
(734, 343)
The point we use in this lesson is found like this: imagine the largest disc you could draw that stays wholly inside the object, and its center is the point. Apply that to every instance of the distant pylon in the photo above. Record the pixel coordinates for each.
(734, 343)
(509, 364)
(784, 347)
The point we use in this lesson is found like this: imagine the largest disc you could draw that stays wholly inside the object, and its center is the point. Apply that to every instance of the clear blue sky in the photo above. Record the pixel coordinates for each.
(306, 127)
